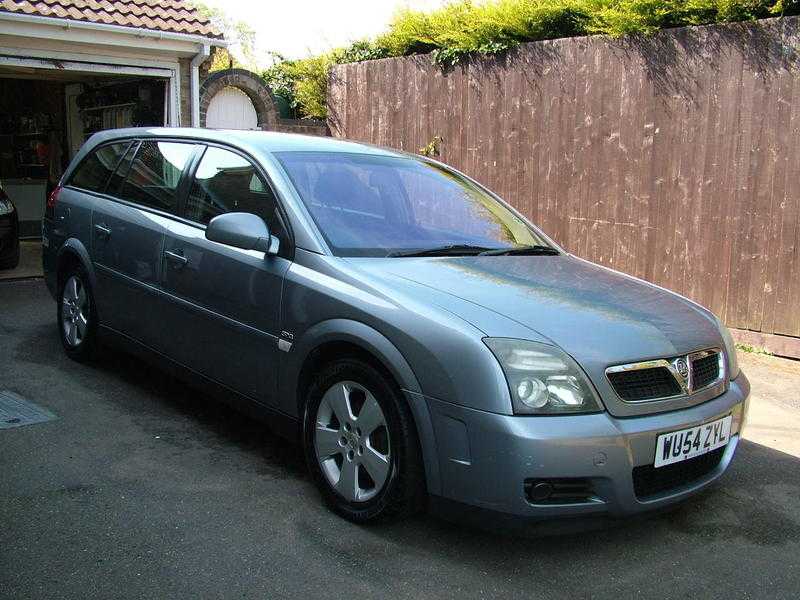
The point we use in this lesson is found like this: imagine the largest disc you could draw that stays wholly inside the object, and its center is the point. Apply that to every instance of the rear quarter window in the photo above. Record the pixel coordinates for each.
(95, 170)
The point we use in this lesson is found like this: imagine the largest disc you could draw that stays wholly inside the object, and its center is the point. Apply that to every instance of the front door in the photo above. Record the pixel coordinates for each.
(225, 302)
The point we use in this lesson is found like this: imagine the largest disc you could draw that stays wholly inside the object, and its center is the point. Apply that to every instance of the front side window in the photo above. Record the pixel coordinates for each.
(367, 205)
(155, 173)
(227, 182)
(95, 170)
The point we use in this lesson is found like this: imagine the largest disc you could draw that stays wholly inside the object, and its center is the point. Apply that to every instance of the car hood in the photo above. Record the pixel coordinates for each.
(599, 316)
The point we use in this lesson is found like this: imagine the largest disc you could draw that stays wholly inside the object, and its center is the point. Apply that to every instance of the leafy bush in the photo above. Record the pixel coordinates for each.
(462, 28)
(311, 84)
(241, 35)
(361, 50)
(280, 80)
(304, 83)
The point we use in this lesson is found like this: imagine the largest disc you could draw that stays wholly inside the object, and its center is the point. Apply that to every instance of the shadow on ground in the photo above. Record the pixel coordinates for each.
(144, 487)
(757, 470)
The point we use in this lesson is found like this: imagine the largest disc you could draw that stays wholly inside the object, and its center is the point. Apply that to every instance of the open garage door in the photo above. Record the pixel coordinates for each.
(47, 111)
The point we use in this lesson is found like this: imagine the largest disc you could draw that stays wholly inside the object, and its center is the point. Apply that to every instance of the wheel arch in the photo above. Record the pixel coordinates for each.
(337, 337)
(73, 251)
(355, 335)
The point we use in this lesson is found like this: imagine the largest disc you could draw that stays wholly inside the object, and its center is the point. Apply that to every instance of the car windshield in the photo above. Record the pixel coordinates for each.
(368, 205)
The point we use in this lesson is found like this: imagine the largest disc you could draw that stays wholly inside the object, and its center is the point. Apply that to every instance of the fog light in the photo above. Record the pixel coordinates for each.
(541, 491)
(573, 490)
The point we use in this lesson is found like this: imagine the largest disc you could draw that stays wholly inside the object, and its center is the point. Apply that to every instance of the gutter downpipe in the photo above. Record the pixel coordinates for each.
(194, 77)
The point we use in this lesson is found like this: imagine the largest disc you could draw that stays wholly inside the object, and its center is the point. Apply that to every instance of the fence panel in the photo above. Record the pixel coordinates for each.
(673, 158)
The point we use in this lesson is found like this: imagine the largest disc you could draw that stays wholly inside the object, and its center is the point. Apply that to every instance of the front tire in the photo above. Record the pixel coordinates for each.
(76, 315)
(361, 445)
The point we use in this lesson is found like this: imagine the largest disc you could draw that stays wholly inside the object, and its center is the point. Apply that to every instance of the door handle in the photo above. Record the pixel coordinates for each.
(102, 230)
(179, 260)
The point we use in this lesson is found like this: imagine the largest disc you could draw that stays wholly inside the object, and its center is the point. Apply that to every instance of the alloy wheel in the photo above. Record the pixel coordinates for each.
(74, 311)
(351, 441)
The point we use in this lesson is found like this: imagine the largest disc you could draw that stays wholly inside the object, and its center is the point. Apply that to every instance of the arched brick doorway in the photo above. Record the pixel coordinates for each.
(245, 81)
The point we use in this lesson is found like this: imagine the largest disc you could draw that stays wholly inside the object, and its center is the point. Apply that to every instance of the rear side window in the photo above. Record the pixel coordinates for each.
(227, 182)
(155, 173)
(122, 169)
(95, 170)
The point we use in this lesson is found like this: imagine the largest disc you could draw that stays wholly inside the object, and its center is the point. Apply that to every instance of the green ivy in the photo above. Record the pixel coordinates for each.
(462, 28)
(280, 79)
(304, 83)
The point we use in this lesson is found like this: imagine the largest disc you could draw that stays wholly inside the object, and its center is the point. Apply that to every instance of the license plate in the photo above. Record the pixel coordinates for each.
(687, 443)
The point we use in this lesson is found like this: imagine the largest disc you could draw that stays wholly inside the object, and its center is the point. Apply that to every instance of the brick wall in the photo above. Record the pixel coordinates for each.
(261, 97)
(303, 126)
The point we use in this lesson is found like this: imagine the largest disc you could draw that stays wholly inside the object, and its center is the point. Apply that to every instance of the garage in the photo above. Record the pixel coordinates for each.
(46, 117)
(66, 74)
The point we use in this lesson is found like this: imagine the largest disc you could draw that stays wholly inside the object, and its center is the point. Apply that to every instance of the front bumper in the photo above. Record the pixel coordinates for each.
(9, 236)
(484, 458)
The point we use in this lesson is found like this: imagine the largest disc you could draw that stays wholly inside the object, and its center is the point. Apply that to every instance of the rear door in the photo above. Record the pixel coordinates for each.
(226, 301)
(92, 177)
(128, 237)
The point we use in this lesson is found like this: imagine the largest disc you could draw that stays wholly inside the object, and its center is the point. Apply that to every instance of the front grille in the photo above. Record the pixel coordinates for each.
(649, 481)
(705, 371)
(644, 384)
(665, 377)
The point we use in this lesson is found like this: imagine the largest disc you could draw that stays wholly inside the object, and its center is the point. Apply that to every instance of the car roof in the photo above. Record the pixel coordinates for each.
(268, 141)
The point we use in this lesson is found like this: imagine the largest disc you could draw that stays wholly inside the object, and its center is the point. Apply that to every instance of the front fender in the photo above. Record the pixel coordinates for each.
(354, 332)
(382, 349)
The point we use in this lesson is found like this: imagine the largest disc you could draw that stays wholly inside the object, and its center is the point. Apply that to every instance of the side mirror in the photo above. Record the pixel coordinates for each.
(242, 230)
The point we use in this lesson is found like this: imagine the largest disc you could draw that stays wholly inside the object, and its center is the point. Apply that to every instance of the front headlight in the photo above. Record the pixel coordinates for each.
(6, 208)
(730, 350)
(542, 379)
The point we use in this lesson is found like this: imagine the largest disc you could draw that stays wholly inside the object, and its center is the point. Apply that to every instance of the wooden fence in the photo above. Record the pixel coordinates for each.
(675, 158)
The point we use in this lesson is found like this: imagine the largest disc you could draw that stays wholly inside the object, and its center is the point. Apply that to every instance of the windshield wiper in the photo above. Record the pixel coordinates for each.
(521, 251)
(449, 250)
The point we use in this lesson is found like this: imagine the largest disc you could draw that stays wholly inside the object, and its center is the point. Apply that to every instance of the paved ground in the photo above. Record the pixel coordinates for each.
(142, 488)
(30, 261)
(775, 422)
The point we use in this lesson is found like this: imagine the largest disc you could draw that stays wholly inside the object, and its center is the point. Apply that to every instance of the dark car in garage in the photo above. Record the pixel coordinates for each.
(9, 232)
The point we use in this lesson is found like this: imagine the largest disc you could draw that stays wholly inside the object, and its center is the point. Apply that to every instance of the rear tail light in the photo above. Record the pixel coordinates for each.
(52, 200)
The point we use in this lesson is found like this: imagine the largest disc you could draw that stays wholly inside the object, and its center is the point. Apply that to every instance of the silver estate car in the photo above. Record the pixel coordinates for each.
(428, 345)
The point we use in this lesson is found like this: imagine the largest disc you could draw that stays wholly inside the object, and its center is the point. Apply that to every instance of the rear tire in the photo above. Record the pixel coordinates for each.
(76, 315)
(361, 444)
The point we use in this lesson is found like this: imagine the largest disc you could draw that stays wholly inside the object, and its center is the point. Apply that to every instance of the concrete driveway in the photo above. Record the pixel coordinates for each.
(142, 488)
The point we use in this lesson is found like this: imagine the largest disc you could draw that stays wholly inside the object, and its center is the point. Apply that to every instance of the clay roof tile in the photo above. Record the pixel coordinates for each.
(176, 16)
